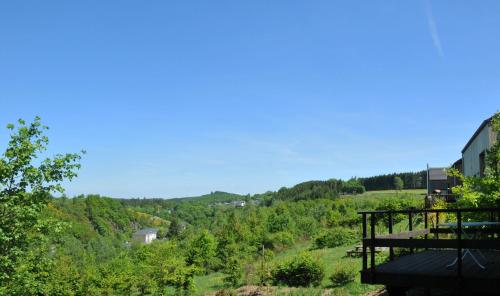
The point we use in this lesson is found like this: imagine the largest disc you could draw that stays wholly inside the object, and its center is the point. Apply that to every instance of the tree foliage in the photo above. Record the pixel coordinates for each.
(25, 187)
(483, 191)
(411, 180)
(301, 271)
(398, 183)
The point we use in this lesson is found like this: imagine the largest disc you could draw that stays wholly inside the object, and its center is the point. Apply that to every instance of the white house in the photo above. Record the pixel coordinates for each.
(146, 235)
(239, 203)
(474, 152)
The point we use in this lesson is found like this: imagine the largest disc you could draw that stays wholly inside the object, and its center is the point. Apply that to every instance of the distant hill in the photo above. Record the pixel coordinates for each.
(314, 189)
(310, 190)
(215, 197)
(210, 198)
(94, 217)
(333, 188)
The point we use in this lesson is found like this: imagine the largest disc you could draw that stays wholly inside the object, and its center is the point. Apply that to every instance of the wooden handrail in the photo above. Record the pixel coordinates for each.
(461, 210)
(405, 234)
(434, 243)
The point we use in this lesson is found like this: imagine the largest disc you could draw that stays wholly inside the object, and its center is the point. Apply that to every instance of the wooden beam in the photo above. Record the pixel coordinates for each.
(488, 230)
(404, 234)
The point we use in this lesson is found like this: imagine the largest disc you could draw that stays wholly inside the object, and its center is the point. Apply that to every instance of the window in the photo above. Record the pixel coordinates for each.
(481, 164)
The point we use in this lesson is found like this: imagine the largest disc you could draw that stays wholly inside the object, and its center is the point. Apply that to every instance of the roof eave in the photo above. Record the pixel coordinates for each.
(479, 129)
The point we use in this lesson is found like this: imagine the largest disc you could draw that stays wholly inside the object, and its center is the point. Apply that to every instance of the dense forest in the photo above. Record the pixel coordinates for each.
(93, 253)
(416, 180)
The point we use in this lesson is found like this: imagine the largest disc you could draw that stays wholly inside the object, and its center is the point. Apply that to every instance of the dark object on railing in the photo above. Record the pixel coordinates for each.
(425, 264)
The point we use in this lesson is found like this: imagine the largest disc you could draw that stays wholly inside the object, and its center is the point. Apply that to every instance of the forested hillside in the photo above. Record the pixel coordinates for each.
(411, 180)
(92, 252)
(83, 245)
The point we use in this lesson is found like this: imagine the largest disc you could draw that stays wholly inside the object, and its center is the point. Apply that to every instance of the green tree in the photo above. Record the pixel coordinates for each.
(398, 183)
(301, 270)
(233, 271)
(174, 228)
(202, 250)
(25, 188)
(353, 186)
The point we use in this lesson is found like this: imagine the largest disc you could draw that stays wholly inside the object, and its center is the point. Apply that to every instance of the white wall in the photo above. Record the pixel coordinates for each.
(149, 237)
(470, 156)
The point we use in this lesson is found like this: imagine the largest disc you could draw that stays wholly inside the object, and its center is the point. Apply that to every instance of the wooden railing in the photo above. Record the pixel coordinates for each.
(420, 239)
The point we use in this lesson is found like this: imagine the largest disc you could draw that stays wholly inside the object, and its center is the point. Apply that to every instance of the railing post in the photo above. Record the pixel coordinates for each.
(492, 218)
(437, 225)
(410, 225)
(459, 247)
(426, 224)
(391, 249)
(365, 257)
(372, 246)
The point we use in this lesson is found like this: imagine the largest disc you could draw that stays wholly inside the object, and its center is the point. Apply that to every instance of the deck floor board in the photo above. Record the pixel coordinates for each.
(433, 263)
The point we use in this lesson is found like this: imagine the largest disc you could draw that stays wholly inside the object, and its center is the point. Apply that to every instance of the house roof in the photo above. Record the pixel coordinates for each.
(146, 231)
(479, 129)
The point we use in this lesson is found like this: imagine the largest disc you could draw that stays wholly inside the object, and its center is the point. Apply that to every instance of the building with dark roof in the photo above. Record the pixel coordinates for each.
(474, 152)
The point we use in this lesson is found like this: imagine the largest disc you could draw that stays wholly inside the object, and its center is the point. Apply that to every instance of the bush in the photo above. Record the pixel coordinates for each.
(300, 271)
(335, 237)
(343, 274)
(233, 271)
(279, 240)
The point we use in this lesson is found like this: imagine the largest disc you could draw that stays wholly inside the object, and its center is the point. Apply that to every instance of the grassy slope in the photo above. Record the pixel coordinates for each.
(330, 256)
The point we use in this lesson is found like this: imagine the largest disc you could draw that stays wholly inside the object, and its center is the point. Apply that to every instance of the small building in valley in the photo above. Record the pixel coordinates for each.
(239, 203)
(146, 235)
(437, 180)
(474, 152)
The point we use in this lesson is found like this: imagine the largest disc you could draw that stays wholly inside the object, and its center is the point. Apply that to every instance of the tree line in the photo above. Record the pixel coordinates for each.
(411, 180)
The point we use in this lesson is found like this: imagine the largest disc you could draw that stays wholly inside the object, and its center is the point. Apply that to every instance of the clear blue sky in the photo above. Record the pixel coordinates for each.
(179, 98)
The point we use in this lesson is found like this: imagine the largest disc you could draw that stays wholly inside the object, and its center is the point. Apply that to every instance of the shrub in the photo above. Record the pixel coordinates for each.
(343, 274)
(301, 270)
(233, 271)
(279, 240)
(335, 237)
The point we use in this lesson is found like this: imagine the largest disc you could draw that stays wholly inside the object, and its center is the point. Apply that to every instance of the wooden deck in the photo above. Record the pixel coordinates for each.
(428, 269)
(431, 247)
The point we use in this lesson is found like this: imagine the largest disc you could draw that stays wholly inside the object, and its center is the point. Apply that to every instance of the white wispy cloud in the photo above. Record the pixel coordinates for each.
(433, 28)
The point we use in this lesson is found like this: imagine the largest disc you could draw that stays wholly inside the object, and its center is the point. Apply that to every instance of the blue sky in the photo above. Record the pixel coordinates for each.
(179, 98)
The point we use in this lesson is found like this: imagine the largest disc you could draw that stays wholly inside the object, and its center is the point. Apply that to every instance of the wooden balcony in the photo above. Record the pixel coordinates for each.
(426, 249)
